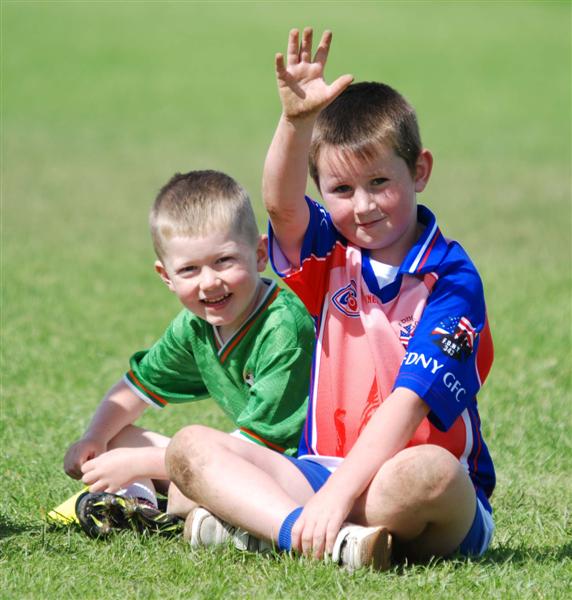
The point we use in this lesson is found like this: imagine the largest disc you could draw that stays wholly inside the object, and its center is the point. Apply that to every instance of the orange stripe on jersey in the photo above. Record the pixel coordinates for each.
(149, 392)
(248, 325)
(262, 440)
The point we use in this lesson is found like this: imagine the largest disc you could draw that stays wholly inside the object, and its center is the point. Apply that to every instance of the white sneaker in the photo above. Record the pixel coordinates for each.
(356, 547)
(202, 528)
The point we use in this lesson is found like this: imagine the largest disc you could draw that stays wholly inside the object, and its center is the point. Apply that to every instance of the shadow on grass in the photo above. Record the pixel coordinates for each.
(513, 555)
(9, 529)
(524, 554)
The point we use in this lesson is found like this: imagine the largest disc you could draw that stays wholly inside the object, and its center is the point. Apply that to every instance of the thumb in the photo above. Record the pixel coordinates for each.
(339, 85)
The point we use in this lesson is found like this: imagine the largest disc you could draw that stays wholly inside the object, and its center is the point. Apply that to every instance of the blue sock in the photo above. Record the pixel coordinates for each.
(285, 534)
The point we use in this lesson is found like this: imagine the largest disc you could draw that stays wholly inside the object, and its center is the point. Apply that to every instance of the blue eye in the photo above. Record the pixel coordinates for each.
(379, 181)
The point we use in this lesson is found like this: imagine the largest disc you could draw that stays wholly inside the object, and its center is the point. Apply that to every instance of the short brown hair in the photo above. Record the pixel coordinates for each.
(363, 117)
(198, 202)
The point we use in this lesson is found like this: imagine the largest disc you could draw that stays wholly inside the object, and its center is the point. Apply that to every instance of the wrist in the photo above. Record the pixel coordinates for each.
(300, 122)
(94, 437)
(345, 488)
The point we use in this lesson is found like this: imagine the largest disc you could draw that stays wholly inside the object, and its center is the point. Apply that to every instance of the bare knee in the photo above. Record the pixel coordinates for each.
(184, 454)
(428, 466)
(418, 476)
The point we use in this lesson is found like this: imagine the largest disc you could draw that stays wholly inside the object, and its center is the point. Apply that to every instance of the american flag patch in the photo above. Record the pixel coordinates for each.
(457, 337)
(465, 326)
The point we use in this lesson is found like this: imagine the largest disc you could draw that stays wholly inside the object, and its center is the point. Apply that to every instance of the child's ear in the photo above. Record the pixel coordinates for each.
(423, 169)
(262, 253)
(164, 275)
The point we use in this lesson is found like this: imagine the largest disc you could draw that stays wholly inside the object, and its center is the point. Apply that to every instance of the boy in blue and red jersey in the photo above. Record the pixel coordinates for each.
(392, 440)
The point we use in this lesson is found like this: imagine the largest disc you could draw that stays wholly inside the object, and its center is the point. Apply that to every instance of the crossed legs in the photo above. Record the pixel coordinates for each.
(422, 495)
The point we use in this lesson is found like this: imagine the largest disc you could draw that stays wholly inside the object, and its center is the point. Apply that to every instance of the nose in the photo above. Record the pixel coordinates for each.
(363, 202)
(209, 278)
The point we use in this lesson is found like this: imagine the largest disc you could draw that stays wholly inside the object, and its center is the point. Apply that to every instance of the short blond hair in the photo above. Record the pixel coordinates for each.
(198, 202)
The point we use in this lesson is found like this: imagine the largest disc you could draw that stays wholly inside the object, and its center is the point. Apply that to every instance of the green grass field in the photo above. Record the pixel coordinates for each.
(103, 101)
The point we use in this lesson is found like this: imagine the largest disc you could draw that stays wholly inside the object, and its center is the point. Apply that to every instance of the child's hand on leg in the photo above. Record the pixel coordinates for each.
(316, 529)
(301, 85)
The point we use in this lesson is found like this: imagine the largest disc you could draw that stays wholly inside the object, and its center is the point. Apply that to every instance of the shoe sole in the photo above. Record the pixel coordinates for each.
(376, 550)
(100, 513)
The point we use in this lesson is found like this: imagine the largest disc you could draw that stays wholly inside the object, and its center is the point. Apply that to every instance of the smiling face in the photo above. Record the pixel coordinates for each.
(373, 202)
(215, 276)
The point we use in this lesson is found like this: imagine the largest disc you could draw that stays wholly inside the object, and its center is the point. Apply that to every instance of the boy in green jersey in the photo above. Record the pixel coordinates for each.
(240, 340)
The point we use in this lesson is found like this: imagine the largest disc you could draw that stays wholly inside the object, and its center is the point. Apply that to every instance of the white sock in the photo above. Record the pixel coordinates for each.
(139, 490)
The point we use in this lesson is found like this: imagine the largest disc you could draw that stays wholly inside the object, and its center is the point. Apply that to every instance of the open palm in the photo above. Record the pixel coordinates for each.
(301, 85)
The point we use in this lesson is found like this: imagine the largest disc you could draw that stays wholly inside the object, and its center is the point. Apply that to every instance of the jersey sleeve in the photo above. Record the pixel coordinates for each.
(310, 280)
(276, 406)
(451, 351)
(167, 372)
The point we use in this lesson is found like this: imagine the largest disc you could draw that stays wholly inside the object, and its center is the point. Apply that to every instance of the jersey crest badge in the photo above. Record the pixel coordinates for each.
(456, 337)
(345, 300)
(406, 330)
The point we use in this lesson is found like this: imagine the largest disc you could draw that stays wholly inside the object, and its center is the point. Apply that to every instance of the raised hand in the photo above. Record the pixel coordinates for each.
(301, 85)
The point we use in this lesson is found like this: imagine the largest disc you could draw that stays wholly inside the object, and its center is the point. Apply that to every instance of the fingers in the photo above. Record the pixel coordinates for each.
(323, 48)
(303, 537)
(318, 542)
(95, 479)
(295, 536)
(316, 538)
(331, 534)
(311, 538)
(302, 52)
(338, 86)
(72, 472)
(280, 65)
(306, 46)
(74, 460)
(293, 56)
(72, 466)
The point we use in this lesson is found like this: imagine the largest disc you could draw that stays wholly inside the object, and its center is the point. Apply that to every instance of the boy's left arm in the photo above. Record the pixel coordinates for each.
(394, 423)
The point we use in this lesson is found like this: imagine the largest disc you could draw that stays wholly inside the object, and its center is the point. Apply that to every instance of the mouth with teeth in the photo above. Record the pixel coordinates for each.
(216, 302)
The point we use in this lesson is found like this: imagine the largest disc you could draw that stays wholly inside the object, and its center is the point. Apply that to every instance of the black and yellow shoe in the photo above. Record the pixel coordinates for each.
(101, 513)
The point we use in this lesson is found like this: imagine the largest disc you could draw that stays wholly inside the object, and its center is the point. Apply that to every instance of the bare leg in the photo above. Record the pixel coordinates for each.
(424, 497)
(178, 503)
(245, 484)
(137, 437)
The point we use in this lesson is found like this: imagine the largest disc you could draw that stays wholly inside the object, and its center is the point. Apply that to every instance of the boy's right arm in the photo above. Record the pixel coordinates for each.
(303, 94)
(119, 408)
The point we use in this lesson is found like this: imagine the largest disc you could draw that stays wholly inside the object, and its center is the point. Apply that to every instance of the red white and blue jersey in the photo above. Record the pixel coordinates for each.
(426, 331)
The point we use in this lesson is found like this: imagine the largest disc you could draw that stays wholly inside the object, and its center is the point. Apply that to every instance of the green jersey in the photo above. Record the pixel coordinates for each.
(259, 377)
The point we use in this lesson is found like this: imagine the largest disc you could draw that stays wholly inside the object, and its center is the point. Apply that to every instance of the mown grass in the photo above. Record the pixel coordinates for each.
(102, 102)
